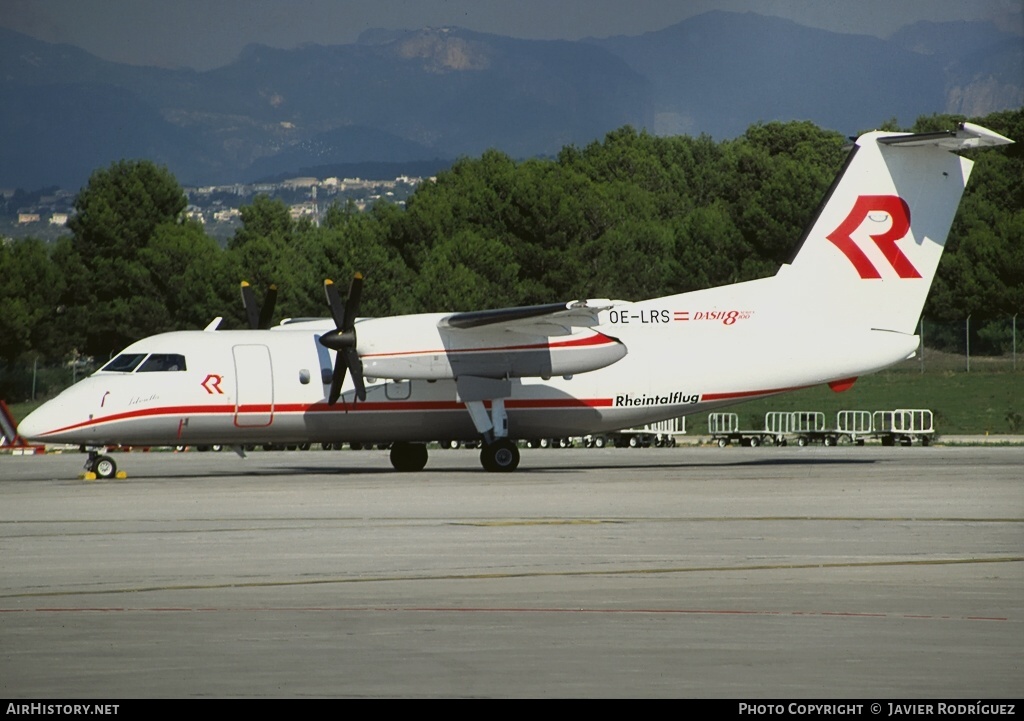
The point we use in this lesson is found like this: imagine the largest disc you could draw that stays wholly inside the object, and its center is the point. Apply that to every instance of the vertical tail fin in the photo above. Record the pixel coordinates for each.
(875, 245)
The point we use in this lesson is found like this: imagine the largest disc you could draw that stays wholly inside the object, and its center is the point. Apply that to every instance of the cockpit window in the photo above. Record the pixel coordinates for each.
(124, 363)
(163, 362)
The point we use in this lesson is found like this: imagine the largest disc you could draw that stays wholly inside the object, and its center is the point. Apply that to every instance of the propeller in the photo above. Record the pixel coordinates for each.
(343, 338)
(259, 316)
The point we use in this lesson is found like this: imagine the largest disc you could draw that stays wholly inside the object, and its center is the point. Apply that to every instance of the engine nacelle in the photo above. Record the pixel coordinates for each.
(415, 348)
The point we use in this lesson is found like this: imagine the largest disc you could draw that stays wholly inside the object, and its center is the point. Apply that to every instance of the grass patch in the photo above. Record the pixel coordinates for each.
(973, 403)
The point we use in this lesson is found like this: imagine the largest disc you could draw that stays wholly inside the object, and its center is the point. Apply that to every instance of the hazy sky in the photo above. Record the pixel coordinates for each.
(208, 33)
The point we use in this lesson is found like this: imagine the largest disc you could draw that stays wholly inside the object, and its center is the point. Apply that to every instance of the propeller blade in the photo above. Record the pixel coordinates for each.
(259, 318)
(355, 293)
(267, 312)
(337, 380)
(249, 303)
(335, 303)
(355, 366)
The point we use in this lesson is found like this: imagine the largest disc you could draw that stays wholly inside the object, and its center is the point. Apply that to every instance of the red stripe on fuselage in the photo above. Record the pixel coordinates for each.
(323, 407)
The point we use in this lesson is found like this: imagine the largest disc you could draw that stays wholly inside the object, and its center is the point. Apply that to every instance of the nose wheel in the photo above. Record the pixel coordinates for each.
(103, 466)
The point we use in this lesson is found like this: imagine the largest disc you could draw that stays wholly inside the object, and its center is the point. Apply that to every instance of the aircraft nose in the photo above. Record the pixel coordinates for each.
(37, 423)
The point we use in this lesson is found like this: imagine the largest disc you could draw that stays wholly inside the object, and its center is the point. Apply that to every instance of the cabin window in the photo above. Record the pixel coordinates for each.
(158, 362)
(124, 363)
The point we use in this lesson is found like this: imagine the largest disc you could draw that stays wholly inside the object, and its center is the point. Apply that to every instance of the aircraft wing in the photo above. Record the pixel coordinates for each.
(548, 319)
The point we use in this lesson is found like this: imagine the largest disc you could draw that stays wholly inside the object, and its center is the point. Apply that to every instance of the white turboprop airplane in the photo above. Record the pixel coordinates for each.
(848, 304)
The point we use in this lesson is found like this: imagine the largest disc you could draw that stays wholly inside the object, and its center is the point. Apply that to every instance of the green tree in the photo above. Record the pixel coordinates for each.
(111, 300)
(30, 290)
(270, 249)
(350, 242)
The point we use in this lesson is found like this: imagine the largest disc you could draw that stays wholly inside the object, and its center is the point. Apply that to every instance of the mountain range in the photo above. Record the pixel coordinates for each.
(439, 93)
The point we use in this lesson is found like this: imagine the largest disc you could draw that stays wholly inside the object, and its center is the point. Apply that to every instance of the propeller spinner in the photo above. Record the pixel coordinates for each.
(343, 338)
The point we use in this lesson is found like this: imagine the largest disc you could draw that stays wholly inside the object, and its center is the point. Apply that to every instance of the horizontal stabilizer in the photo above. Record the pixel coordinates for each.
(966, 136)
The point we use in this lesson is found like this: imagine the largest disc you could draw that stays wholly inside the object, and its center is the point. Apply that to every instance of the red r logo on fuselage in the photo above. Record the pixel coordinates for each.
(212, 384)
(899, 213)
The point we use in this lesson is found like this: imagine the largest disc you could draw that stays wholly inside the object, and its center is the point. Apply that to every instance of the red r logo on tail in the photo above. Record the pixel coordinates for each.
(899, 212)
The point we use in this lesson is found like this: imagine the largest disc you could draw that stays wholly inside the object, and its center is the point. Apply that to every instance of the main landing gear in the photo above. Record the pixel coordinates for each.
(408, 456)
(499, 456)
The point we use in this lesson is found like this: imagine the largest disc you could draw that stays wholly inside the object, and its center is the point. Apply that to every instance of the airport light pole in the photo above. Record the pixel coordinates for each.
(921, 333)
(967, 337)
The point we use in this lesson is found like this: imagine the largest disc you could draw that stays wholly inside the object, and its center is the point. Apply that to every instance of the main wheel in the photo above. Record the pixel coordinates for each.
(104, 467)
(408, 456)
(502, 456)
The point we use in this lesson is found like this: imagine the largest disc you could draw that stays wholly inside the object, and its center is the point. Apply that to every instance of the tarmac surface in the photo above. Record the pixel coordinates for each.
(867, 573)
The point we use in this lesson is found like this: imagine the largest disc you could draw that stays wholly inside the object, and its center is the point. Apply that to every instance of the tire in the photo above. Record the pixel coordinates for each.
(408, 457)
(104, 467)
(755, 442)
(600, 442)
(502, 456)
(723, 442)
(828, 441)
(801, 441)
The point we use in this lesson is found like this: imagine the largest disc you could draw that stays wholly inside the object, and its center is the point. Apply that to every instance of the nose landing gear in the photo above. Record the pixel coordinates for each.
(100, 466)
